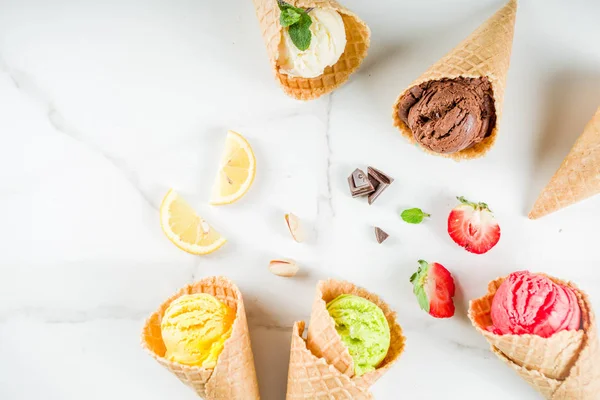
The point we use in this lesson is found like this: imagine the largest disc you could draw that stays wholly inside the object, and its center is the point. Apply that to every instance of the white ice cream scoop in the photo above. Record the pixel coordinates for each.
(327, 45)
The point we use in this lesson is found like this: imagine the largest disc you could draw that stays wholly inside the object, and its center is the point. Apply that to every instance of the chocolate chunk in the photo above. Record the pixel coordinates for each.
(356, 192)
(380, 235)
(380, 182)
(359, 183)
(360, 178)
(380, 176)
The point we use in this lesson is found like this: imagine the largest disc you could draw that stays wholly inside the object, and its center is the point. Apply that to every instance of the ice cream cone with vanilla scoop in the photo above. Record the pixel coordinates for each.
(543, 328)
(201, 336)
(313, 45)
(353, 339)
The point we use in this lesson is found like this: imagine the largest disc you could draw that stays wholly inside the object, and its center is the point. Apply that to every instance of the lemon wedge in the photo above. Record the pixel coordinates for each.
(186, 229)
(236, 172)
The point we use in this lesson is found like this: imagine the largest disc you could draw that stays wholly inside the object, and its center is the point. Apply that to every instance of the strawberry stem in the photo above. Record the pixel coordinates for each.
(477, 206)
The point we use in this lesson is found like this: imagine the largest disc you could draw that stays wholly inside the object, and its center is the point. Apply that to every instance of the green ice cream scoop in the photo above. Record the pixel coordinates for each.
(363, 328)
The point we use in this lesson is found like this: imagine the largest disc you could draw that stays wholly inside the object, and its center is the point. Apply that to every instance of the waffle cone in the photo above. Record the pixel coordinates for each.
(485, 53)
(321, 366)
(357, 42)
(577, 178)
(234, 377)
(565, 366)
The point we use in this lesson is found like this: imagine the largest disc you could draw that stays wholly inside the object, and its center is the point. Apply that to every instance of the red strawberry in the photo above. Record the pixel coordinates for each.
(473, 226)
(434, 287)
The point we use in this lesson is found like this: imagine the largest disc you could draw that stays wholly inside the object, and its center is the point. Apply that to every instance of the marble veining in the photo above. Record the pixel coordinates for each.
(105, 106)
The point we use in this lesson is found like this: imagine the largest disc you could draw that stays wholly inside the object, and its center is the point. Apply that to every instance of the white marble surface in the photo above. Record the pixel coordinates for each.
(104, 106)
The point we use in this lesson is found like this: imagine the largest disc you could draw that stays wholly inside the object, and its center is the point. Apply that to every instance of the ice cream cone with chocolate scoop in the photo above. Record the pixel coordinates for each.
(454, 108)
(201, 335)
(578, 177)
(544, 329)
(353, 339)
(338, 46)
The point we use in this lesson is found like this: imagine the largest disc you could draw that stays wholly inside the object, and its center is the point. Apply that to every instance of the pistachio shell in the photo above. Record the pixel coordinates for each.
(293, 224)
(283, 267)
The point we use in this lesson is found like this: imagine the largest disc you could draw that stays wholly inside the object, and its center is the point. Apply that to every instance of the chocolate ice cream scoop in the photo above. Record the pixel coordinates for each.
(449, 115)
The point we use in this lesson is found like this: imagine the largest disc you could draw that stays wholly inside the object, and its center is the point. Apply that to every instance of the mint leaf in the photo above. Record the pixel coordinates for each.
(289, 14)
(300, 32)
(414, 215)
(285, 6)
(298, 23)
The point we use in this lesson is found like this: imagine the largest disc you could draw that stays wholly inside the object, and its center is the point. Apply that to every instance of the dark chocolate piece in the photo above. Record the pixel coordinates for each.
(360, 178)
(380, 235)
(380, 176)
(380, 182)
(360, 184)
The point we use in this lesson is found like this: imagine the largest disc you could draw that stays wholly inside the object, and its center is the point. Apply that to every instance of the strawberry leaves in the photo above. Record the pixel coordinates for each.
(477, 206)
(418, 280)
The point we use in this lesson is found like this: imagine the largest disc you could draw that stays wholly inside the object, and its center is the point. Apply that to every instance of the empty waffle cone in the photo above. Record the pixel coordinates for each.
(485, 53)
(321, 366)
(234, 377)
(577, 178)
(357, 42)
(565, 366)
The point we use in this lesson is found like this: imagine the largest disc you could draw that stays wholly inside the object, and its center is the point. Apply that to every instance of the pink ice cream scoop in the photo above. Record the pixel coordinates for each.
(528, 303)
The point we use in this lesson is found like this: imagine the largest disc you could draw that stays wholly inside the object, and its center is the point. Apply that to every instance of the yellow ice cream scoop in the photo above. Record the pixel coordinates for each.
(195, 328)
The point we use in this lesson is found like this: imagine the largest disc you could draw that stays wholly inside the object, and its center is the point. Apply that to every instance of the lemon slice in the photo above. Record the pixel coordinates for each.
(236, 172)
(186, 229)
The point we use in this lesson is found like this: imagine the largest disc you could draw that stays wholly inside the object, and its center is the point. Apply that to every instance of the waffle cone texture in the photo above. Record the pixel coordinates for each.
(357, 42)
(485, 53)
(234, 376)
(577, 178)
(321, 366)
(565, 366)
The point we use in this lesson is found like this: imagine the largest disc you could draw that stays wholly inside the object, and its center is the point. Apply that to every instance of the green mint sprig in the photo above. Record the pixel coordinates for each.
(298, 23)
(414, 215)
